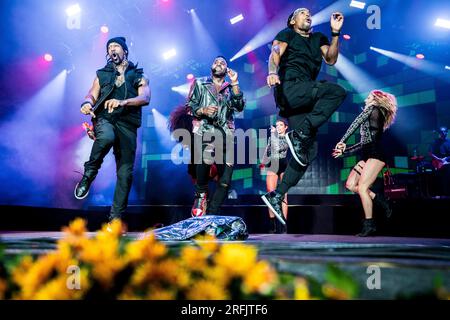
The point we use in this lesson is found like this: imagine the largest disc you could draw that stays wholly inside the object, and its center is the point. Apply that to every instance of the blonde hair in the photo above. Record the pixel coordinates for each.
(388, 105)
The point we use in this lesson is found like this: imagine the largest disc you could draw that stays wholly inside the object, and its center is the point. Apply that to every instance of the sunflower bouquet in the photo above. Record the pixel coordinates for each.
(107, 266)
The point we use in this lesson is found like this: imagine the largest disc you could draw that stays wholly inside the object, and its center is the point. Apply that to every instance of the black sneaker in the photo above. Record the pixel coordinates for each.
(82, 188)
(274, 200)
(200, 204)
(299, 144)
(368, 229)
(381, 201)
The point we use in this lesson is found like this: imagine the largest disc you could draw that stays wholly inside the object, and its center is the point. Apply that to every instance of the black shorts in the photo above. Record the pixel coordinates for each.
(373, 150)
(282, 165)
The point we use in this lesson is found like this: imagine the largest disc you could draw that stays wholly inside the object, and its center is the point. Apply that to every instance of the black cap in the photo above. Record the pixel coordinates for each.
(120, 40)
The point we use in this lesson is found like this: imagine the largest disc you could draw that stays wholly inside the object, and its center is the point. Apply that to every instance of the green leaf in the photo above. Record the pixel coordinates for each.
(342, 281)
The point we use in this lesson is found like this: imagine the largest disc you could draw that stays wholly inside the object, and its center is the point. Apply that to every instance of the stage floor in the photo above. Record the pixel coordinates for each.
(409, 266)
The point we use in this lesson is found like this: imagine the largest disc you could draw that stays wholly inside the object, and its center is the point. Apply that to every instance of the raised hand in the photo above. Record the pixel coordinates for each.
(233, 75)
(337, 20)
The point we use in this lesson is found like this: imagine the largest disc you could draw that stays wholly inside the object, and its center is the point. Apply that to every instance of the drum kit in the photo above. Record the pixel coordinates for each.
(425, 179)
(420, 183)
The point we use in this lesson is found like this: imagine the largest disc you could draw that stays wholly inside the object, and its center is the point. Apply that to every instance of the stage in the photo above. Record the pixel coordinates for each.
(412, 248)
(308, 214)
(108, 102)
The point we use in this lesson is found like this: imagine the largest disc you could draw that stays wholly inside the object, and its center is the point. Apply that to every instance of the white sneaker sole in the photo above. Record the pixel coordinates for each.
(291, 147)
(75, 193)
(272, 209)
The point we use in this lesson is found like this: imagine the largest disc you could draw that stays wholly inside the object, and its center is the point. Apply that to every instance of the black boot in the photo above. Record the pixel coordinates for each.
(200, 204)
(368, 229)
(82, 188)
(300, 145)
(381, 201)
(274, 200)
(280, 228)
(273, 226)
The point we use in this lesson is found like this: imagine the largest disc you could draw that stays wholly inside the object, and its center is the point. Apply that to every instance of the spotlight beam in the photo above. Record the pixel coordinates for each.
(267, 34)
(432, 68)
(183, 89)
(204, 39)
(359, 79)
(32, 152)
(161, 129)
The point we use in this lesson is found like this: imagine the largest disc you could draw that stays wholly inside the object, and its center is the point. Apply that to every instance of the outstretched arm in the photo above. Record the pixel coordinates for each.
(141, 100)
(341, 147)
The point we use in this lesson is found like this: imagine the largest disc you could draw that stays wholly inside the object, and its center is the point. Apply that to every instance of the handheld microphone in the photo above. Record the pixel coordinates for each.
(89, 130)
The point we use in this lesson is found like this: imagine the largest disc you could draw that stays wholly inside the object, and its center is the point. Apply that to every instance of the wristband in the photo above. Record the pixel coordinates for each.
(87, 102)
(335, 34)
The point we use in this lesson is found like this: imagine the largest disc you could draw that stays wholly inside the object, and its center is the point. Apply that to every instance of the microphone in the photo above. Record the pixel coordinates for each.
(89, 130)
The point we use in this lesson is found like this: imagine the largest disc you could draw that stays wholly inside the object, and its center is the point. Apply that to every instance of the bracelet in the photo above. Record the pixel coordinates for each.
(273, 73)
(335, 34)
(86, 103)
(235, 84)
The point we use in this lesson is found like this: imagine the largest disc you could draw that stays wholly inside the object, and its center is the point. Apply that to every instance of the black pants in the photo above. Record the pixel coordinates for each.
(225, 173)
(122, 138)
(307, 105)
(202, 170)
(317, 101)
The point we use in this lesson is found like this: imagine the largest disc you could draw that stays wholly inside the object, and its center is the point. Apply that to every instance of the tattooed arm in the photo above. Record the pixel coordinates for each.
(278, 49)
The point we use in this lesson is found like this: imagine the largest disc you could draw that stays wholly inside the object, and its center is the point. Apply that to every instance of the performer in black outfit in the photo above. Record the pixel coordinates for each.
(275, 160)
(213, 103)
(114, 101)
(294, 64)
(378, 115)
(180, 125)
